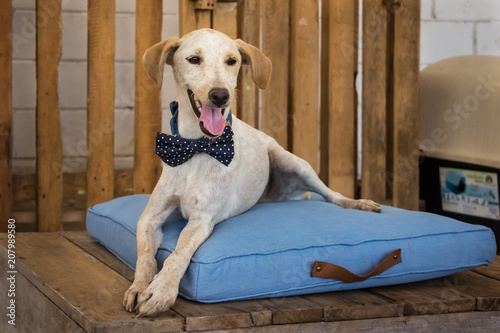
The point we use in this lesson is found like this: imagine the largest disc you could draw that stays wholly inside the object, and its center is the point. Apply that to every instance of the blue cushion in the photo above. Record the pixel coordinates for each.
(269, 250)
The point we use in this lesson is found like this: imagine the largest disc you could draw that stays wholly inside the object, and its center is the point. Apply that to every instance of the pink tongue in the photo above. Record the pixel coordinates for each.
(212, 120)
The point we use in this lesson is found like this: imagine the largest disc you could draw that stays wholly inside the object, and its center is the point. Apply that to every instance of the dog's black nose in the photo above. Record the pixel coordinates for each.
(219, 96)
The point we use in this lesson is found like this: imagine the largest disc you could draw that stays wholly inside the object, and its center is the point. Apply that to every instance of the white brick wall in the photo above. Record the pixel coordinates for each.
(449, 28)
(459, 27)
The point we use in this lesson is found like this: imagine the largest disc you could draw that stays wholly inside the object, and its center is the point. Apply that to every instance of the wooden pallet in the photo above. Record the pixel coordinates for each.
(66, 282)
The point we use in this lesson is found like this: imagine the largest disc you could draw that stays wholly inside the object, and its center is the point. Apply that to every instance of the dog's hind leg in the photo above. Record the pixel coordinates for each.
(291, 176)
(149, 237)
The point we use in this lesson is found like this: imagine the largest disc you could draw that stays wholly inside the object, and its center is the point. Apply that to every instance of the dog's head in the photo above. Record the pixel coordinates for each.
(206, 64)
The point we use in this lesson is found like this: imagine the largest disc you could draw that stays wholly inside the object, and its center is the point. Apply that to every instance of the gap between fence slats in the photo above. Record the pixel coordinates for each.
(374, 128)
(147, 121)
(249, 31)
(100, 101)
(49, 164)
(5, 115)
(304, 85)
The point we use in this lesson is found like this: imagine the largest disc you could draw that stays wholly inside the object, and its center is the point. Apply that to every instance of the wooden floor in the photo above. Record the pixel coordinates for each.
(66, 282)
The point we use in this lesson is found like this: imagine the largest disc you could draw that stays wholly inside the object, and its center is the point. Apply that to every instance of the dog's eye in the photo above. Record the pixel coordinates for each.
(231, 61)
(194, 60)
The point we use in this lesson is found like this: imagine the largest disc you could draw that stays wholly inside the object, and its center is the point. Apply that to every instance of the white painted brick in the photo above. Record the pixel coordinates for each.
(426, 9)
(72, 85)
(125, 6)
(125, 37)
(467, 9)
(75, 5)
(74, 37)
(74, 133)
(24, 4)
(165, 120)
(168, 89)
(124, 163)
(23, 35)
(124, 132)
(23, 134)
(124, 85)
(23, 84)
(440, 40)
(171, 6)
(170, 26)
(488, 38)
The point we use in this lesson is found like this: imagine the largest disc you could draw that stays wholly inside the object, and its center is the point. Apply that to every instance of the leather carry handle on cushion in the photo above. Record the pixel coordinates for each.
(326, 270)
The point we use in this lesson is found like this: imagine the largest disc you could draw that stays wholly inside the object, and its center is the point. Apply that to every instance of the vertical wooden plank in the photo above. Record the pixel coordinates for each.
(48, 126)
(406, 105)
(249, 31)
(147, 121)
(341, 114)
(275, 44)
(100, 101)
(304, 76)
(5, 115)
(324, 96)
(374, 130)
(224, 18)
(192, 19)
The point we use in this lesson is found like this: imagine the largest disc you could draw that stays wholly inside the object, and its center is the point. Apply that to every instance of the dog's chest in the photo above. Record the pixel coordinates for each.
(207, 187)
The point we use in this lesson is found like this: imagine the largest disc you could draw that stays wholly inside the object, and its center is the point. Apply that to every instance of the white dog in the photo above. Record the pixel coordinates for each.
(208, 189)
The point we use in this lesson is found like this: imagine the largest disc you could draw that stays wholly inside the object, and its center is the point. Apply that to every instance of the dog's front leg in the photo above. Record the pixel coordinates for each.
(160, 295)
(149, 237)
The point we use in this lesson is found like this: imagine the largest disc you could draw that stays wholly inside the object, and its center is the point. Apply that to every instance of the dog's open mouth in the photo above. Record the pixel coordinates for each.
(212, 121)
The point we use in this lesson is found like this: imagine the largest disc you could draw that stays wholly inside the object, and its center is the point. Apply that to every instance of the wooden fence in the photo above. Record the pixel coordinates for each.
(310, 106)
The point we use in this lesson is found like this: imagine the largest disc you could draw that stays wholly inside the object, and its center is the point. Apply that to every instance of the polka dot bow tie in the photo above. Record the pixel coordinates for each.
(175, 150)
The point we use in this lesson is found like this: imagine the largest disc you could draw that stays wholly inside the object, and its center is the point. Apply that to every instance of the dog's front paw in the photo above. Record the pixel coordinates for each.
(367, 205)
(157, 297)
(129, 300)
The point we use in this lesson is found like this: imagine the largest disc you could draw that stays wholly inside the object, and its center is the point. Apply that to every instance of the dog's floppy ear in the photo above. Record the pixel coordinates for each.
(156, 56)
(261, 65)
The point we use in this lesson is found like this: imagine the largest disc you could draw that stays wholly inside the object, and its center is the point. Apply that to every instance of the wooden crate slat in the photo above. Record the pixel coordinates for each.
(5, 115)
(486, 290)
(100, 101)
(32, 303)
(339, 132)
(192, 19)
(249, 31)
(95, 249)
(374, 129)
(198, 316)
(429, 297)
(492, 270)
(49, 164)
(275, 45)
(147, 117)
(304, 76)
(405, 94)
(356, 304)
(85, 289)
